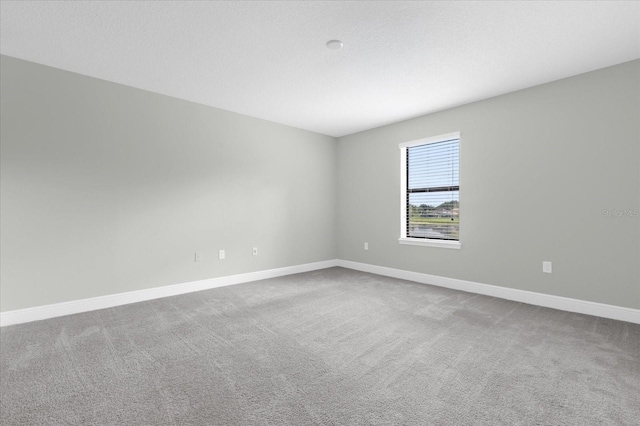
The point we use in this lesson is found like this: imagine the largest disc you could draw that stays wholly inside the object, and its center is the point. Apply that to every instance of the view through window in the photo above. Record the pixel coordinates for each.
(433, 190)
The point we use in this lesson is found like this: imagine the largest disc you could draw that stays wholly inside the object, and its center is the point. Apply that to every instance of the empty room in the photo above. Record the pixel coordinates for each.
(320, 213)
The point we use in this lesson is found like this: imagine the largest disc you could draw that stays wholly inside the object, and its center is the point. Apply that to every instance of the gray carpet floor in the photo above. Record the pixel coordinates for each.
(330, 347)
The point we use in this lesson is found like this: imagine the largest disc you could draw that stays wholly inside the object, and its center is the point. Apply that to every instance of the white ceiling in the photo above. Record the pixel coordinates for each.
(269, 60)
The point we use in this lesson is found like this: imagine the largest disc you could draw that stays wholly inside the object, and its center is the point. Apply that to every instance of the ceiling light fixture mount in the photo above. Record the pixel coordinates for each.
(335, 44)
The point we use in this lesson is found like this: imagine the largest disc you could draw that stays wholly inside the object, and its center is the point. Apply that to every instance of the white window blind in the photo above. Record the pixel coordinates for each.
(433, 190)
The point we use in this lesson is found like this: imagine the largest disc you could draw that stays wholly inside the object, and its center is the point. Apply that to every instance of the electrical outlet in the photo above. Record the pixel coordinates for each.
(366, 246)
(546, 267)
(255, 251)
(197, 257)
(221, 255)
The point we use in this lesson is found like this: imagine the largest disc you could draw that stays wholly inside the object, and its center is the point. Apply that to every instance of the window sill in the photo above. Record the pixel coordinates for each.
(430, 243)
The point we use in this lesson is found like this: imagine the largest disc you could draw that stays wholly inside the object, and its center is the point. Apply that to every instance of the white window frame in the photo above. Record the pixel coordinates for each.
(403, 195)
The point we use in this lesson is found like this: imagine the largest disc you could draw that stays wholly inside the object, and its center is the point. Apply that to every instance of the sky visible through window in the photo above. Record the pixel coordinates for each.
(434, 165)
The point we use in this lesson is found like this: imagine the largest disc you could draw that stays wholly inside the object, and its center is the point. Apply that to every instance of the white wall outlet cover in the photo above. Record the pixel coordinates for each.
(255, 251)
(221, 254)
(546, 267)
(197, 257)
(366, 246)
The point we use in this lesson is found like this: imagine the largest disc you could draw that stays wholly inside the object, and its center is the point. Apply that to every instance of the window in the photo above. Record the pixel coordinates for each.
(430, 182)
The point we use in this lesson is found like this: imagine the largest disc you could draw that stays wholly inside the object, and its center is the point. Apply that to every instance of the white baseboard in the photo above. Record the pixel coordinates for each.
(529, 297)
(84, 305)
(547, 300)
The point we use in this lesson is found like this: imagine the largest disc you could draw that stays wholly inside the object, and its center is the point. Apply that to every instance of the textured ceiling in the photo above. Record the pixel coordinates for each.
(269, 59)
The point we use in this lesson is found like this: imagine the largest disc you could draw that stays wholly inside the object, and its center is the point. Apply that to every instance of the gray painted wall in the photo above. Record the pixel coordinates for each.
(107, 189)
(538, 168)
